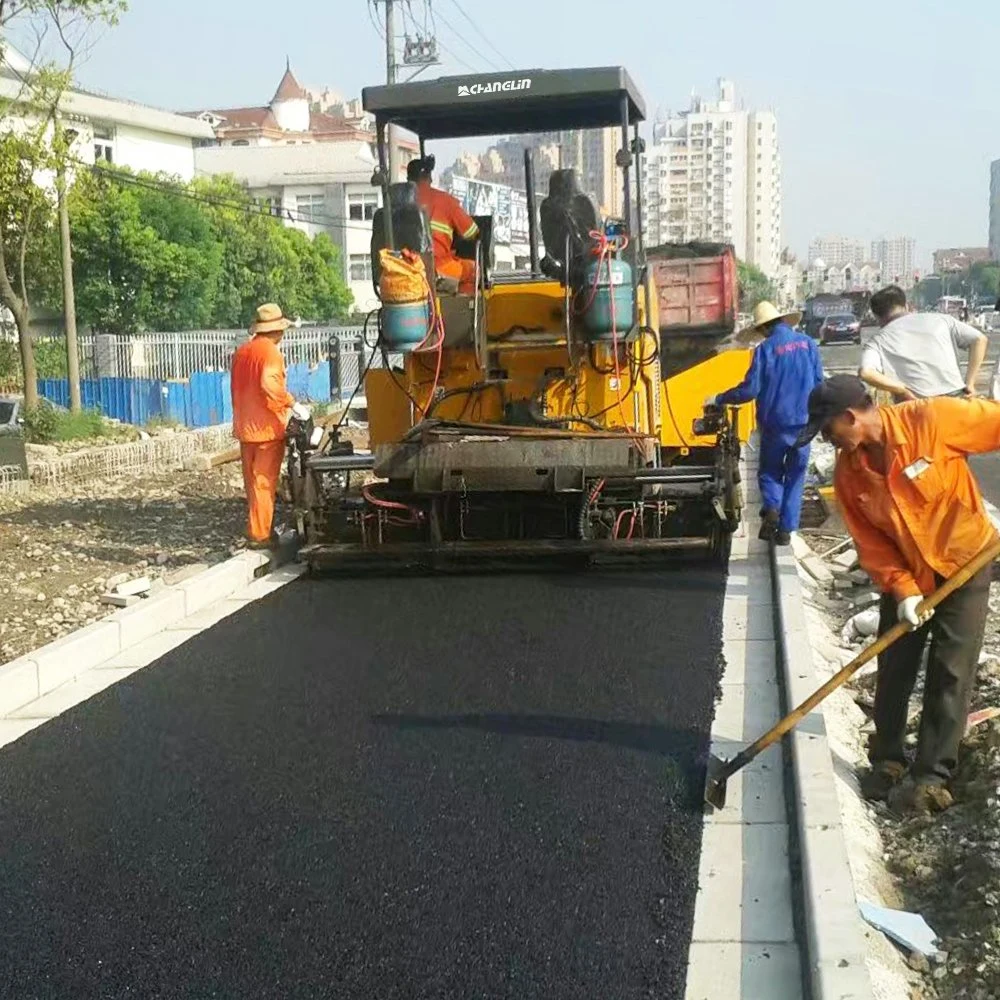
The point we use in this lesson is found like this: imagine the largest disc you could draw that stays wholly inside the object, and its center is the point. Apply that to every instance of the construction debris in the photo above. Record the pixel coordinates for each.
(119, 600)
(133, 588)
(909, 930)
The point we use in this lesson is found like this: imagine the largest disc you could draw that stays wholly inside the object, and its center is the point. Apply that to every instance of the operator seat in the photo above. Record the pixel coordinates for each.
(467, 248)
(410, 229)
(567, 213)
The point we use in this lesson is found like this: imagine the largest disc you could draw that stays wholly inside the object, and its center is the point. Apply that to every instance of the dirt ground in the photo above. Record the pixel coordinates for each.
(946, 868)
(60, 547)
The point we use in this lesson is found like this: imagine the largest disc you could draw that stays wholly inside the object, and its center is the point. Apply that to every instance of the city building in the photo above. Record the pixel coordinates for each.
(838, 250)
(713, 172)
(296, 116)
(109, 129)
(897, 258)
(959, 258)
(315, 187)
(995, 209)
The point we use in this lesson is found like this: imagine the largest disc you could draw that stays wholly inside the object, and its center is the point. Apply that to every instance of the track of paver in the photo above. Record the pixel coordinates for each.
(425, 788)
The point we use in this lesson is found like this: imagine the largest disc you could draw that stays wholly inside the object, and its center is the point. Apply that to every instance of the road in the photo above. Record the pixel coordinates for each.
(845, 357)
(419, 788)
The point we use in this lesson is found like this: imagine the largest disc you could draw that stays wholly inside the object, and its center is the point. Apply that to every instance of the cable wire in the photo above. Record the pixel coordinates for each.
(467, 43)
(481, 33)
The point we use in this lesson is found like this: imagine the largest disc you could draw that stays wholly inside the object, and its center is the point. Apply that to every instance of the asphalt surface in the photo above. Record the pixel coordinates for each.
(440, 788)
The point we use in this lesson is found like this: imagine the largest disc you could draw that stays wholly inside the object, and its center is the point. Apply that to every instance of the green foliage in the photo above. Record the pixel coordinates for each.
(44, 424)
(755, 286)
(151, 253)
(980, 281)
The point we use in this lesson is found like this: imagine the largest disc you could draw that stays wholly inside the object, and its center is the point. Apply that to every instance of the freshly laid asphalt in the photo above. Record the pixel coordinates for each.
(419, 789)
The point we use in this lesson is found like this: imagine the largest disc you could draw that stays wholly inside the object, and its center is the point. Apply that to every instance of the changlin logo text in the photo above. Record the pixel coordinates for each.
(495, 87)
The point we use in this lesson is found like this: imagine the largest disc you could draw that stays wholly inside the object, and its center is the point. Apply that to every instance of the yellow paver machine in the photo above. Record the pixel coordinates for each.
(543, 411)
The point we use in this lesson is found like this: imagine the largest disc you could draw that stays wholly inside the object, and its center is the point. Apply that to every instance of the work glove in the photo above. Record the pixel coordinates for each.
(301, 412)
(711, 401)
(906, 611)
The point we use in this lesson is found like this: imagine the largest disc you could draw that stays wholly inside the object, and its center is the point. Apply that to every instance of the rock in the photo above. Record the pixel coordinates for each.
(815, 567)
(800, 547)
(120, 600)
(162, 558)
(198, 463)
(73, 591)
(112, 582)
(859, 577)
(840, 583)
(864, 623)
(918, 962)
(40, 598)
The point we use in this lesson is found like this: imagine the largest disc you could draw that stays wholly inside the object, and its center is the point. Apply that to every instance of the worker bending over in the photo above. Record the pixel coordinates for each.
(915, 355)
(262, 407)
(783, 371)
(916, 515)
(448, 220)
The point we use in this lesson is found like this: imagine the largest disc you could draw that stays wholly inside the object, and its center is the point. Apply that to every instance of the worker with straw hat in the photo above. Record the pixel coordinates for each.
(262, 406)
(785, 368)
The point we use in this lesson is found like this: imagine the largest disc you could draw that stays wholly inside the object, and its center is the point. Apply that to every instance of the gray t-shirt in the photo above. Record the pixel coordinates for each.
(921, 351)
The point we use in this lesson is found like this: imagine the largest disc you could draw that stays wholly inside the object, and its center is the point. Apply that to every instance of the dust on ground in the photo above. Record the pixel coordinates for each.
(59, 547)
(947, 868)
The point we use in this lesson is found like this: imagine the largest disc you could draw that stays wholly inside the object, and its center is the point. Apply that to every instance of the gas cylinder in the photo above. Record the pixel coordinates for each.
(608, 280)
(405, 324)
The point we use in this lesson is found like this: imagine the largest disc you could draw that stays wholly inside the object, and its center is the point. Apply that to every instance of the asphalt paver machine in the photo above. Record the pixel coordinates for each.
(529, 413)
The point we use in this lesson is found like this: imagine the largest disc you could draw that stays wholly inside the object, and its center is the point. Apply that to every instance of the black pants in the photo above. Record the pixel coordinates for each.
(956, 634)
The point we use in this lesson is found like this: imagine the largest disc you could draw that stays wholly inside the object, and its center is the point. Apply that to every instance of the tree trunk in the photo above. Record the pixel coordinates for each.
(28, 367)
(69, 295)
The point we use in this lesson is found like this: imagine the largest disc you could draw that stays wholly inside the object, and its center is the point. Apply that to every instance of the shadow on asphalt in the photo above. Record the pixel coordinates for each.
(684, 749)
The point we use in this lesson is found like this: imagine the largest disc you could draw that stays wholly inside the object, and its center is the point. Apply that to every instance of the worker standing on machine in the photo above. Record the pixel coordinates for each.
(262, 407)
(448, 220)
(784, 369)
(914, 509)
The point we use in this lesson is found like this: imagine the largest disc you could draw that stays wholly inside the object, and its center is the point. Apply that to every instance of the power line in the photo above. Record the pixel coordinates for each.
(444, 48)
(468, 44)
(481, 34)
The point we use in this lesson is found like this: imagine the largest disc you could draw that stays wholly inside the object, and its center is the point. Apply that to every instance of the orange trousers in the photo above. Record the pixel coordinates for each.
(261, 472)
(458, 268)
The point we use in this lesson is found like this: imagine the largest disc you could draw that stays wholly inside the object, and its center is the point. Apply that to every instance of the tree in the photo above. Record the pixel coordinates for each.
(755, 286)
(26, 223)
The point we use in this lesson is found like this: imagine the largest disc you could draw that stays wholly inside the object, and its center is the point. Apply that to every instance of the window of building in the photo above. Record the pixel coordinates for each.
(241, 142)
(359, 267)
(309, 207)
(104, 144)
(362, 206)
(729, 140)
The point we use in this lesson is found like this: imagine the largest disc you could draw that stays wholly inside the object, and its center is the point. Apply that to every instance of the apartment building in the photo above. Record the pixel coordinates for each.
(897, 258)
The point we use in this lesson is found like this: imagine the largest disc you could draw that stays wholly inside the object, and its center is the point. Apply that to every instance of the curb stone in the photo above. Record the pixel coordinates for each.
(835, 933)
(43, 670)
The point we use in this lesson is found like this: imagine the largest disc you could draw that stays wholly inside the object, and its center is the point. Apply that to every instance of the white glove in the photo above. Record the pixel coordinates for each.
(712, 401)
(906, 611)
(301, 412)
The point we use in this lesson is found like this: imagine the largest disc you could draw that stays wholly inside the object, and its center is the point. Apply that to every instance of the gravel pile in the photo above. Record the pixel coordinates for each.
(61, 549)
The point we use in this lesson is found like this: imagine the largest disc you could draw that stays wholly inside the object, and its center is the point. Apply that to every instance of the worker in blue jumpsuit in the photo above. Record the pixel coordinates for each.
(784, 370)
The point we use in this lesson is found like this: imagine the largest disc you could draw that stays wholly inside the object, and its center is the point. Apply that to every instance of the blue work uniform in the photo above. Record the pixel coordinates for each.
(785, 368)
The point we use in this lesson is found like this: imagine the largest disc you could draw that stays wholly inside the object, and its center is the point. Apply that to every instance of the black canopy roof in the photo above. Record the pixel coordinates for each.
(453, 107)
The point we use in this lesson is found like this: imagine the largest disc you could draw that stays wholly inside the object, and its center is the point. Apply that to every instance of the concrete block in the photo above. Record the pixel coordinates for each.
(744, 885)
(749, 972)
(800, 547)
(818, 570)
(745, 711)
(18, 684)
(757, 793)
(813, 765)
(75, 653)
(151, 649)
(149, 617)
(70, 694)
(749, 662)
(860, 577)
(211, 615)
(132, 588)
(215, 584)
(270, 583)
(119, 600)
(846, 560)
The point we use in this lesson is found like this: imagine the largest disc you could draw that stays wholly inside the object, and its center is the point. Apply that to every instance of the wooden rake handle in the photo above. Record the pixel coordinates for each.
(869, 653)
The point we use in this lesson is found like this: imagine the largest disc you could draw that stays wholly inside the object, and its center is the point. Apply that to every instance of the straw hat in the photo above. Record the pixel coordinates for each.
(269, 319)
(764, 313)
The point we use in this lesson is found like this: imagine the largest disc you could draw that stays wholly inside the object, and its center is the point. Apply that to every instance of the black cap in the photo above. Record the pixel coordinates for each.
(829, 399)
(420, 167)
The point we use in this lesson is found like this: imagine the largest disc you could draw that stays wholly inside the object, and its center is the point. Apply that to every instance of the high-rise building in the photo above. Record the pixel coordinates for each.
(897, 259)
(838, 251)
(713, 172)
(995, 209)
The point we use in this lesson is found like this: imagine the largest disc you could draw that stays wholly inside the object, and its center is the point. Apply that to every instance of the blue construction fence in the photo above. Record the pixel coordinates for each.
(201, 400)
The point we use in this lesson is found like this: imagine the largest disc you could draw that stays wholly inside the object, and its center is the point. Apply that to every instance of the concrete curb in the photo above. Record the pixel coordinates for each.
(834, 931)
(43, 670)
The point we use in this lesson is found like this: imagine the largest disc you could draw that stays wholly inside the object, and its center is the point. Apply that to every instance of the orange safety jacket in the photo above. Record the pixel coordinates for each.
(925, 516)
(448, 221)
(261, 402)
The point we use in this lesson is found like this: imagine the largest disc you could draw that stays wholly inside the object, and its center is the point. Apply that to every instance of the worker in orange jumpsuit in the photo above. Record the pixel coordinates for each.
(262, 406)
(448, 219)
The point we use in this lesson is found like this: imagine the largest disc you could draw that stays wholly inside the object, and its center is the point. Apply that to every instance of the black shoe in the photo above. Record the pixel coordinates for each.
(768, 525)
(783, 537)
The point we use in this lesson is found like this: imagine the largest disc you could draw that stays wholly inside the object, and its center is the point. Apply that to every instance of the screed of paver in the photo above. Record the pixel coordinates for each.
(421, 788)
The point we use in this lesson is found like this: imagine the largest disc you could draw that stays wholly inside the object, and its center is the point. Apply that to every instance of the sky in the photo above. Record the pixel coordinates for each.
(888, 110)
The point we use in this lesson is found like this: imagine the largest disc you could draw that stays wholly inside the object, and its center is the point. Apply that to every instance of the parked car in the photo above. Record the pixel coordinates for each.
(840, 327)
(12, 452)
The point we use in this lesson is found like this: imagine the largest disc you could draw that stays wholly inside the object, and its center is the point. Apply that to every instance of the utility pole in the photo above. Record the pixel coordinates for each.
(63, 140)
(390, 77)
